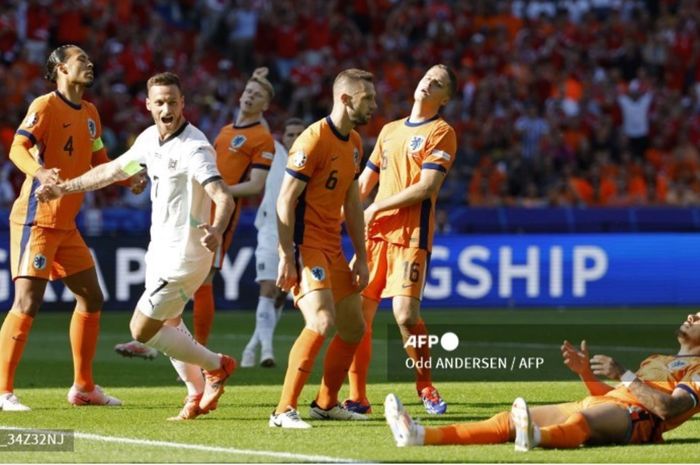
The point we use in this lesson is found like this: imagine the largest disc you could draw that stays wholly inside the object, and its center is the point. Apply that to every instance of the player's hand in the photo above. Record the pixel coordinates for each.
(602, 365)
(138, 182)
(48, 176)
(48, 192)
(211, 238)
(576, 359)
(360, 273)
(287, 273)
(370, 213)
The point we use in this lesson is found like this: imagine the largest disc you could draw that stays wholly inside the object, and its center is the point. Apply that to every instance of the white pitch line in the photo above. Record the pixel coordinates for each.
(199, 447)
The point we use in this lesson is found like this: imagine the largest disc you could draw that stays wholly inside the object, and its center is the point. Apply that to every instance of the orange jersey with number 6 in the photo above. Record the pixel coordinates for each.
(66, 136)
(329, 163)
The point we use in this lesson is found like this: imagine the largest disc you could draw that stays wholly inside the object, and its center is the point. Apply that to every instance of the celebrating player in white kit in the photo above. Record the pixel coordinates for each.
(180, 163)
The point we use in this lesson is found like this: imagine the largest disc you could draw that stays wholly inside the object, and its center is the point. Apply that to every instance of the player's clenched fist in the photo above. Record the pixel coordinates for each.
(211, 238)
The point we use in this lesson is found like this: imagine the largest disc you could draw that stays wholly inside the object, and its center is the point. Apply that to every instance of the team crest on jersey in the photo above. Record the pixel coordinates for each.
(39, 261)
(356, 156)
(416, 143)
(237, 142)
(299, 159)
(677, 364)
(30, 120)
(92, 128)
(172, 164)
(318, 273)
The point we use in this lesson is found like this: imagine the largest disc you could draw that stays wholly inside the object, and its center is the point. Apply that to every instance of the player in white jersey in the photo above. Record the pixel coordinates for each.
(180, 163)
(271, 300)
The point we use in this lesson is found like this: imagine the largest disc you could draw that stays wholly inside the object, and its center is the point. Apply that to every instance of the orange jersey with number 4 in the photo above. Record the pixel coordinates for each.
(329, 163)
(66, 136)
(402, 152)
(241, 148)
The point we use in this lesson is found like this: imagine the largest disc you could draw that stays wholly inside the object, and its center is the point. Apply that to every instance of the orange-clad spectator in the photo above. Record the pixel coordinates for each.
(486, 181)
(657, 154)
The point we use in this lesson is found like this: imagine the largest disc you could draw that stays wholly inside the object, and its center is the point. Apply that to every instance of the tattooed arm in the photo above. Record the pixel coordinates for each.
(659, 403)
(98, 177)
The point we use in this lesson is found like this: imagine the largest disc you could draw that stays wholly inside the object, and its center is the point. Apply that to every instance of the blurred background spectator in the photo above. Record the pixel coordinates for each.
(562, 102)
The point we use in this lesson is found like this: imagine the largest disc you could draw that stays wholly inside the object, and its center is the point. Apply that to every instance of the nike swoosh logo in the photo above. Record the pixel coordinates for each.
(334, 158)
(277, 423)
(323, 414)
(65, 125)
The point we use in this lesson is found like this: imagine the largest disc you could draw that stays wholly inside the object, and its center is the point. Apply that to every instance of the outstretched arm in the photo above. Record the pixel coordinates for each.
(96, 178)
(578, 362)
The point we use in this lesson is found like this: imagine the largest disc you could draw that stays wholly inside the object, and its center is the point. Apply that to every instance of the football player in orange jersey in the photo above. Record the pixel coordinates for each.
(410, 161)
(659, 397)
(244, 153)
(319, 182)
(59, 138)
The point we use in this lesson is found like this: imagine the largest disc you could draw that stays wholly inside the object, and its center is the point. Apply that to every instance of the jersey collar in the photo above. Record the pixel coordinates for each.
(413, 125)
(173, 135)
(245, 126)
(335, 130)
(68, 102)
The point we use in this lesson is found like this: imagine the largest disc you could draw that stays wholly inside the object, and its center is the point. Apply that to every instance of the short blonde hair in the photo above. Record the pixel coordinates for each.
(260, 76)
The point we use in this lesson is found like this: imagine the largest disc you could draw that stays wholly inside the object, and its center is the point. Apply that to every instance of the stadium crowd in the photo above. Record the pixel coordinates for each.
(562, 102)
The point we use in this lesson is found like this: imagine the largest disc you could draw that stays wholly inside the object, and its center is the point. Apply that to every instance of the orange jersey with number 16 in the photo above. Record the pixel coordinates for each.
(65, 136)
(329, 163)
(402, 152)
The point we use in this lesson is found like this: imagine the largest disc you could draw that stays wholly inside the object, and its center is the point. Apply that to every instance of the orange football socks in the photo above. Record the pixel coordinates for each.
(203, 312)
(301, 362)
(335, 369)
(495, 430)
(13, 337)
(84, 330)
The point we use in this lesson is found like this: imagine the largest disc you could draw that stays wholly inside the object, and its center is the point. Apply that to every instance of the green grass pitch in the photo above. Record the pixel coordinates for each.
(238, 431)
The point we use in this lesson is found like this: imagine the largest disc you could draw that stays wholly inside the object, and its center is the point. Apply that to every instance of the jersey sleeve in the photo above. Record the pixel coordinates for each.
(303, 156)
(440, 151)
(202, 165)
(97, 143)
(265, 153)
(691, 383)
(358, 152)
(374, 162)
(36, 122)
(133, 160)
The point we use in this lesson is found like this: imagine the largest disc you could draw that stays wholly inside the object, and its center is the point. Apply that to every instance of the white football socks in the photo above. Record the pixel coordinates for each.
(180, 345)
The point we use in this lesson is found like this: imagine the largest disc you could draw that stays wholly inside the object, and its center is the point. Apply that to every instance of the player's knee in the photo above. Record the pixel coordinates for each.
(405, 318)
(27, 304)
(323, 324)
(353, 333)
(95, 299)
(138, 333)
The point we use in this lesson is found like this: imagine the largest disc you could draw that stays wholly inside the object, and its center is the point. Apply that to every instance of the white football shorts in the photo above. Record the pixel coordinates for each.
(169, 288)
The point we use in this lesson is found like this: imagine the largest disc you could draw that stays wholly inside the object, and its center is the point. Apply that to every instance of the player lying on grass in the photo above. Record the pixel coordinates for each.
(659, 397)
